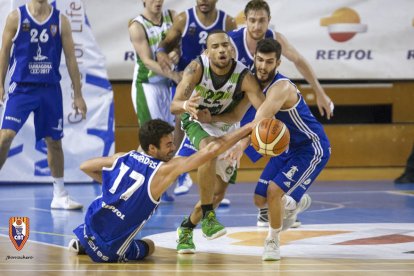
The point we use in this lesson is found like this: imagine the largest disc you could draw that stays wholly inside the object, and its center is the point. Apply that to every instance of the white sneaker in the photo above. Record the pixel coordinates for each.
(184, 183)
(271, 250)
(262, 218)
(65, 202)
(75, 247)
(225, 202)
(291, 215)
(296, 224)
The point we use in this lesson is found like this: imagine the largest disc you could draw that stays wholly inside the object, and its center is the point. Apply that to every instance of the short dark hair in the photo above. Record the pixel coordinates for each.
(216, 31)
(256, 5)
(269, 45)
(152, 131)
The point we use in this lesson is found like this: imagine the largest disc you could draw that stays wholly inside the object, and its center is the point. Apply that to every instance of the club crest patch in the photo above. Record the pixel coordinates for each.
(19, 231)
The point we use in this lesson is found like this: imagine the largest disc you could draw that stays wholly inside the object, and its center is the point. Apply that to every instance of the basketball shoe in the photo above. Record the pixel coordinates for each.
(185, 244)
(291, 215)
(271, 250)
(211, 227)
(76, 247)
(64, 201)
(262, 218)
(184, 183)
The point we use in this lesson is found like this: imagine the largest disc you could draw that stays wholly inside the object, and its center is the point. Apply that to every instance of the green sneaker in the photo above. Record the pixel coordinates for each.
(185, 243)
(211, 227)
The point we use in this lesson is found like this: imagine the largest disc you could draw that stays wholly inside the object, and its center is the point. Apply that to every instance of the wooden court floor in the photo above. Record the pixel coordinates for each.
(351, 229)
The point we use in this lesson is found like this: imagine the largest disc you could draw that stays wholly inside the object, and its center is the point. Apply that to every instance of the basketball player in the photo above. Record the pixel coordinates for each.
(132, 184)
(213, 83)
(151, 95)
(191, 28)
(292, 172)
(245, 39)
(38, 33)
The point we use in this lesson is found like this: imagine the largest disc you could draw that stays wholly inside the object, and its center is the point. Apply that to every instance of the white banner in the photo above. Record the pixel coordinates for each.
(27, 161)
(341, 39)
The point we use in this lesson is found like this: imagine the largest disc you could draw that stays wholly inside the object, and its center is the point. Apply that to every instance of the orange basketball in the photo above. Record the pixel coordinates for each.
(270, 137)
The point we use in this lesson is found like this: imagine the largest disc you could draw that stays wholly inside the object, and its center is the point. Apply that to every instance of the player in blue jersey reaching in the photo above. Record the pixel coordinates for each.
(132, 184)
(38, 33)
(291, 173)
(257, 19)
(287, 177)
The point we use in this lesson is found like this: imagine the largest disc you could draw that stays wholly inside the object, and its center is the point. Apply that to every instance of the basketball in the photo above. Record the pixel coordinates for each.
(270, 137)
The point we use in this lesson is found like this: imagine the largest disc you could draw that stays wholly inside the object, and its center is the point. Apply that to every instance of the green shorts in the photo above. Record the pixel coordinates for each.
(193, 130)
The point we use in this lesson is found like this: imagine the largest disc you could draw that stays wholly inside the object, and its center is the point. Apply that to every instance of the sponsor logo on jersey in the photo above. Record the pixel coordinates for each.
(53, 29)
(192, 28)
(287, 183)
(307, 181)
(26, 25)
(19, 231)
(115, 210)
(14, 119)
(289, 175)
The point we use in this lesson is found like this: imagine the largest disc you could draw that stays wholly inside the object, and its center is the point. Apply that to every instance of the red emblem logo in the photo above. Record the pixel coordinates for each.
(19, 231)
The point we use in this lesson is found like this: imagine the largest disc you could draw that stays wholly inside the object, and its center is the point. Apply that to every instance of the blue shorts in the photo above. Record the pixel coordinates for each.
(186, 149)
(45, 100)
(294, 171)
(101, 252)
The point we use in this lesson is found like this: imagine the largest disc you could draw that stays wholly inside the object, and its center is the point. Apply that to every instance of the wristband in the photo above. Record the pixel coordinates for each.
(160, 49)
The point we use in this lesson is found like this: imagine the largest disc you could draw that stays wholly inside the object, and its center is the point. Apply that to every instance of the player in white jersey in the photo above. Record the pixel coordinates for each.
(38, 33)
(215, 83)
(151, 95)
(189, 32)
(132, 184)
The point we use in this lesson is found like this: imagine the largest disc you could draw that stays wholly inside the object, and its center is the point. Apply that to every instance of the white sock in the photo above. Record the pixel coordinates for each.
(273, 233)
(58, 186)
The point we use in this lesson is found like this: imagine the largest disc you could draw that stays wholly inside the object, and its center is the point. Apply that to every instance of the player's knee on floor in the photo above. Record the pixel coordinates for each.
(139, 249)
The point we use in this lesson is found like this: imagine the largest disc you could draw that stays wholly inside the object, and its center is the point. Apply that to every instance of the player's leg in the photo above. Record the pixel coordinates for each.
(184, 181)
(48, 120)
(16, 110)
(139, 249)
(275, 204)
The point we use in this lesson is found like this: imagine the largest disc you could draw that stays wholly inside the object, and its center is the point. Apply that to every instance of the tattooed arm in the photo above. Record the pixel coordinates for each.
(182, 101)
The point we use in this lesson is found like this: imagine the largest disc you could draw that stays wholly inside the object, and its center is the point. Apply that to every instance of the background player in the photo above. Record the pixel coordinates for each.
(132, 184)
(38, 32)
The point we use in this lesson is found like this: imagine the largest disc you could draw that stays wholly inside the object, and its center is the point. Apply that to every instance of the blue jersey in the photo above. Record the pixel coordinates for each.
(238, 38)
(37, 49)
(126, 204)
(194, 37)
(303, 126)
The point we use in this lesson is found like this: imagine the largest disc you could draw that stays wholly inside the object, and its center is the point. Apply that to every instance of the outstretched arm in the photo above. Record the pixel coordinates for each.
(276, 96)
(68, 48)
(324, 103)
(172, 169)
(10, 30)
(93, 167)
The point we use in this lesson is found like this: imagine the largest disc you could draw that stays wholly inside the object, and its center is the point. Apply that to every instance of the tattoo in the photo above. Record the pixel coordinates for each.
(191, 68)
(187, 91)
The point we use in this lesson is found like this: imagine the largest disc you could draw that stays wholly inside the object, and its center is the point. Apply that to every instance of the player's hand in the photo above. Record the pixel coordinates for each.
(191, 105)
(174, 56)
(204, 115)
(234, 154)
(80, 106)
(164, 61)
(325, 105)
